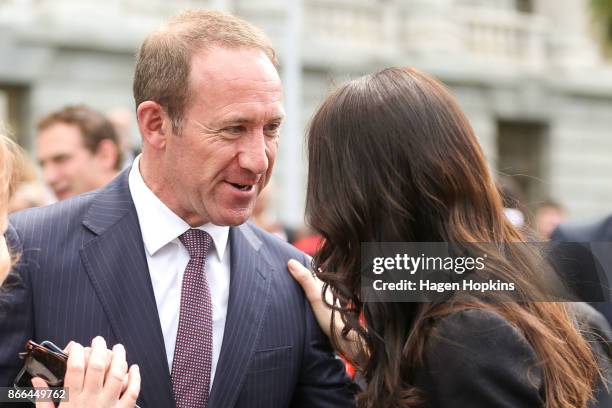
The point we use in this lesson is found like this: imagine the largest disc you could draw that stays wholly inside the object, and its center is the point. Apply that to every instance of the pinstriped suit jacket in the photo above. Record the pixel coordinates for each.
(83, 272)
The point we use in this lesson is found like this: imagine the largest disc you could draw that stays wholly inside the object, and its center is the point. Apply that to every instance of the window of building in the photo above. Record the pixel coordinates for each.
(525, 6)
(521, 155)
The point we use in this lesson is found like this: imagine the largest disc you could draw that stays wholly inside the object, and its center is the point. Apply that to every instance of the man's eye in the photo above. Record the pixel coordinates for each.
(272, 129)
(61, 159)
(235, 130)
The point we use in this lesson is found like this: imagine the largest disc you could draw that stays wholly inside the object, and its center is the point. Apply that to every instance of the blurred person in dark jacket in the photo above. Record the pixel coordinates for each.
(582, 252)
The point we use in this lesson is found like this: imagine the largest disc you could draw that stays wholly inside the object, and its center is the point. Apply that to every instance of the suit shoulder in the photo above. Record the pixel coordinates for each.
(276, 245)
(476, 358)
(471, 321)
(482, 333)
(67, 211)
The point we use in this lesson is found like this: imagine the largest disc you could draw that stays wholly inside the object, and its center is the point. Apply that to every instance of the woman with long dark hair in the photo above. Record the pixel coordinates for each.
(393, 159)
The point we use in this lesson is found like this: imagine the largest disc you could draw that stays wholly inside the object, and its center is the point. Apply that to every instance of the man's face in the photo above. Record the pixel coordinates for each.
(225, 153)
(547, 219)
(68, 166)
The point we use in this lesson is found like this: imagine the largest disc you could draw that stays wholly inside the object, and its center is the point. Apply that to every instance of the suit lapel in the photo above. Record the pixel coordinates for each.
(117, 266)
(248, 299)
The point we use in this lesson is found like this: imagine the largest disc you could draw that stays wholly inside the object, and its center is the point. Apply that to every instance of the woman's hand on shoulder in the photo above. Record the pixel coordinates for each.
(313, 289)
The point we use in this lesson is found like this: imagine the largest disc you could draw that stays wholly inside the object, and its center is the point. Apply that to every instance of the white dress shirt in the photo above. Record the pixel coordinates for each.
(167, 259)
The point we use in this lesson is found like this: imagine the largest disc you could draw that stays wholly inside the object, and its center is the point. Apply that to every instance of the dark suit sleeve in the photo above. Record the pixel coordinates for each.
(572, 257)
(559, 234)
(476, 359)
(323, 382)
(16, 325)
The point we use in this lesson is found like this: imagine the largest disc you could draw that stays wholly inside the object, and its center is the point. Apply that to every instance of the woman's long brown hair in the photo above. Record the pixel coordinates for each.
(392, 158)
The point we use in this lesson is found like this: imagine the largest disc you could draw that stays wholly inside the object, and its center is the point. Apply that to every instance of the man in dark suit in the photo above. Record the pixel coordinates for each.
(162, 261)
(583, 253)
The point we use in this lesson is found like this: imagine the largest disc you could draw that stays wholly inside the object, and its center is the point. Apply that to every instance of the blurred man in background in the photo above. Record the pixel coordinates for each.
(78, 150)
(264, 216)
(548, 216)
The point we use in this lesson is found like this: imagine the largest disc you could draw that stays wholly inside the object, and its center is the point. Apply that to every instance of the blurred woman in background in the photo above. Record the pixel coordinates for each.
(393, 159)
(10, 171)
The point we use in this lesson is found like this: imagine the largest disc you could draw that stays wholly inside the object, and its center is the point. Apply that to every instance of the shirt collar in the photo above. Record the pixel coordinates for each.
(159, 224)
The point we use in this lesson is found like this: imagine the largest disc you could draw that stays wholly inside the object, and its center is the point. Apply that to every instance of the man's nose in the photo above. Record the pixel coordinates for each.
(253, 156)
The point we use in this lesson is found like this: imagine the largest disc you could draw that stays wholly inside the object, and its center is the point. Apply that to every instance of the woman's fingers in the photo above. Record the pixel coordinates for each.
(130, 395)
(116, 373)
(40, 383)
(68, 346)
(124, 383)
(98, 377)
(312, 288)
(108, 356)
(96, 366)
(75, 369)
(309, 283)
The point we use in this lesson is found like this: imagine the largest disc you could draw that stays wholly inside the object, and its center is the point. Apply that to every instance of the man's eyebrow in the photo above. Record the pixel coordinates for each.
(235, 120)
(238, 120)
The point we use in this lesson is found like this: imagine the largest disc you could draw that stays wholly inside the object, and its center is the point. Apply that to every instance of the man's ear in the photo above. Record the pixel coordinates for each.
(154, 124)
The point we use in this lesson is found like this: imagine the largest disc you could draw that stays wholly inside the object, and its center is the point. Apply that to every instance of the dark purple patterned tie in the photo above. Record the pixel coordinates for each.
(192, 361)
